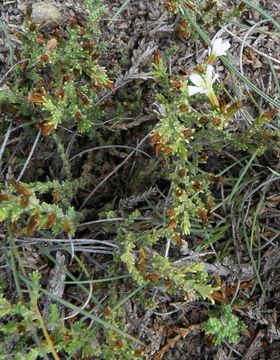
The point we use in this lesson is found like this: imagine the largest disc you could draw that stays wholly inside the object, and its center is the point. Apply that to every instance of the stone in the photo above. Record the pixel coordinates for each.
(46, 13)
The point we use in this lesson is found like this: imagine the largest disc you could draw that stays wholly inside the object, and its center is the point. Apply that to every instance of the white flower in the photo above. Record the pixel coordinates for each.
(203, 85)
(219, 47)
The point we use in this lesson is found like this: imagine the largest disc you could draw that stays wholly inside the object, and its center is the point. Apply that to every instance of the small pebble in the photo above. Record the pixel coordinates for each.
(72, 13)
(45, 12)
(123, 26)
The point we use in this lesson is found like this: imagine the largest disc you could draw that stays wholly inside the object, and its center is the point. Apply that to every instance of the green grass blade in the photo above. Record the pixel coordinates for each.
(275, 76)
(10, 258)
(130, 295)
(274, 172)
(247, 240)
(119, 11)
(83, 312)
(68, 273)
(97, 280)
(262, 12)
(244, 171)
(10, 46)
(253, 87)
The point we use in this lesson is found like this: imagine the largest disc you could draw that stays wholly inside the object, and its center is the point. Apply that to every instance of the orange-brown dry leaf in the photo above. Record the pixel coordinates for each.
(50, 221)
(37, 98)
(171, 213)
(20, 188)
(66, 226)
(199, 69)
(14, 226)
(203, 214)
(142, 262)
(51, 44)
(217, 121)
(159, 148)
(39, 38)
(110, 86)
(170, 6)
(168, 151)
(46, 128)
(182, 173)
(33, 223)
(153, 277)
(249, 57)
(223, 106)
(184, 108)
(182, 30)
(156, 58)
(84, 98)
(244, 285)
(155, 138)
(24, 200)
(78, 116)
(45, 58)
(60, 93)
(178, 240)
(187, 133)
(56, 196)
(88, 46)
(209, 6)
(189, 5)
(170, 343)
(66, 77)
(139, 353)
(95, 56)
(179, 192)
(172, 224)
(233, 108)
(242, 6)
(219, 296)
(270, 114)
(181, 333)
(107, 311)
(176, 84)
(96, 87)
(4, 197)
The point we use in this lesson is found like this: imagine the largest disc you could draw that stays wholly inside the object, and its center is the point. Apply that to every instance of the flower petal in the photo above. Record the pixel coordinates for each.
(215, 77)
(219, 47)
(208, 76)
(216, 45)
(195, 90)
(196, 79)
(226, 45)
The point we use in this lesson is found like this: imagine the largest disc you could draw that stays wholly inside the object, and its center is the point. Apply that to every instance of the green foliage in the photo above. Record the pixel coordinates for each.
(25, 213)
(59, 77)
(149, 268)
(58, 83)
(23, 318)
(115, 346)
(21, 322)
(187, 137)
(224, 325)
